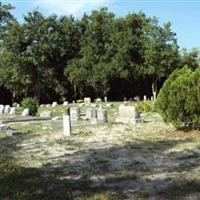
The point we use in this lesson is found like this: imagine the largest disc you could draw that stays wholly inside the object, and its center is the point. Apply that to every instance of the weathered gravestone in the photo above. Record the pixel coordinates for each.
(90, 113)
(66, 123)
(65, 103)
(1, 109)
(74, 114)
(7, 109)
(46, 113)
(25, 112)
(98, 100)
(12, 110)
(54, 104)
(87, 100)
(128, 114)
(102, 115)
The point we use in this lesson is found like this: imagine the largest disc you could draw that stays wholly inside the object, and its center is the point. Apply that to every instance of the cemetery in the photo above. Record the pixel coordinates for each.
(103, 158)
(97, 105)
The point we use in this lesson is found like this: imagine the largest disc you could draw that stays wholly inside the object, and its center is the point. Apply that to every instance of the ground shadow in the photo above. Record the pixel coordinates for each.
(112, 167)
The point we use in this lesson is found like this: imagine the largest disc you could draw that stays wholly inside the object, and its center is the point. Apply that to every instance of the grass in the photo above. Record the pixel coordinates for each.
(105, 162)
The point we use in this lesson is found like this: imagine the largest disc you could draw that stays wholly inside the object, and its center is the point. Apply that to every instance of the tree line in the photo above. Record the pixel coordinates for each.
(56, 58)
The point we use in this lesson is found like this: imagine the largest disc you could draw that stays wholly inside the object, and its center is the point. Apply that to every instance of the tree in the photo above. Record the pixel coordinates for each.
(160, 53)
(190, 58)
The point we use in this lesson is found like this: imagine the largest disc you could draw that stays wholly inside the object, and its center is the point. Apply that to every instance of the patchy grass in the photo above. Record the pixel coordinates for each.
(111, 161)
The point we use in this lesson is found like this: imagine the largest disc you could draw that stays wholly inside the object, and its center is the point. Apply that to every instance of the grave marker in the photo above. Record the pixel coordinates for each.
(66, 123)
(74, 114)
(25, 112)
(128, 114)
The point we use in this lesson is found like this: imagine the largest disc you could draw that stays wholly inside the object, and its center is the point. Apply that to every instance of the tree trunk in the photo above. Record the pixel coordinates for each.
(75, 92)
(154, 88)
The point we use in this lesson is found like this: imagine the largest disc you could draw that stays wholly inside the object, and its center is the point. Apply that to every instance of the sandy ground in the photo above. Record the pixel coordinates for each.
(149, 160)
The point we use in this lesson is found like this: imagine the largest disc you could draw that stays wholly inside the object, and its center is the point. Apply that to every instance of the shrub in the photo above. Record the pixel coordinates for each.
(179, 99)
(31, 105)
(145, 106)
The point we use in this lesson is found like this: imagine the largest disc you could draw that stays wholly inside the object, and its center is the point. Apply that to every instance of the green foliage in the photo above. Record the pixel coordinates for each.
(179, 99)
(31, 105)
(145, 106)
(48, 57)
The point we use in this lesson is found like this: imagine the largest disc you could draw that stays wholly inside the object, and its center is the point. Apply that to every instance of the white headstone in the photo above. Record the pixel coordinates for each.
(12, 110)
(74, 114)
(98, 100)
(54, 104)
(128, 114)
(152, 99)
(105, 99)
(1, 109)
(66, 125)
(7, 109)
(46, 113)
(25, 112)
(90, 113)
(102, 115)
(87, 100)
(145, 98)
(65, 103)
(109, 105)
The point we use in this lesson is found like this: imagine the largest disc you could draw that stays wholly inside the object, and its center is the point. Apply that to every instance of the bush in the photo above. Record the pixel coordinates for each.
(145, 106)
(31, 105)
(179, 99)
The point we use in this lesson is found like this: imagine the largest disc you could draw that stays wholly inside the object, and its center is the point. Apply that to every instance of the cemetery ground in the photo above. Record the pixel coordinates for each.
(111, 161)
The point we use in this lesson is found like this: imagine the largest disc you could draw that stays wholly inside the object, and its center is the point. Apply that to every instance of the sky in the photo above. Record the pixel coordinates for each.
(183, 14)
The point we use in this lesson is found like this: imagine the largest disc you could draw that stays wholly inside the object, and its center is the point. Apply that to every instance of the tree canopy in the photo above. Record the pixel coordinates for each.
(53, 58)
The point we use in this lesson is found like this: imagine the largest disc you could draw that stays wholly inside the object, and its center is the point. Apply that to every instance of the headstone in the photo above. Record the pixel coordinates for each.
(65, 103)
(12, 110)
(109, 105)
(74, 114)
(3, 127)
(90, 113)
(7, 109)
(12, 132)
(48, 105)
(128, 114)
(42, 105)
(1, 109)
(136, 98)
(125, 103)
(73, 101)
(54, 104)
(102, 115)
(25, 112)
(46, 113)
(87, 100)
(98, 100)
(66, 124)
(152, 99)
(145, 98)
(105, 99)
